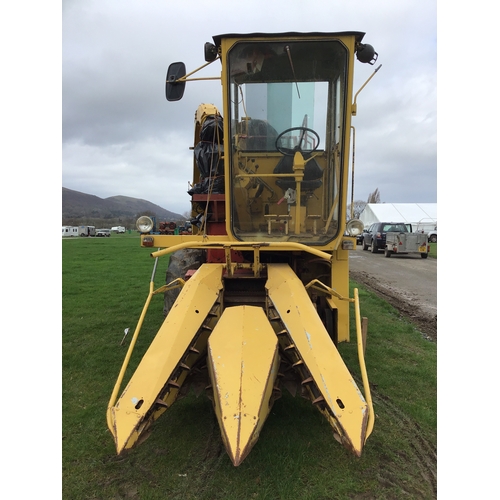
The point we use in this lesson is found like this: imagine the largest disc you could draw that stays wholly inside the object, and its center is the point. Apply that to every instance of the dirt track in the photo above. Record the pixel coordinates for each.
(407, 282)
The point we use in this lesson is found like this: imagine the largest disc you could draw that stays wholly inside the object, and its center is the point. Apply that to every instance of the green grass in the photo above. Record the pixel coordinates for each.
(434, 250)
(105, 283)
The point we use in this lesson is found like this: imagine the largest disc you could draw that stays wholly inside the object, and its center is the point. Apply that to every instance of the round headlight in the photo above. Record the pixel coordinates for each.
(144, 224)
(355, 227)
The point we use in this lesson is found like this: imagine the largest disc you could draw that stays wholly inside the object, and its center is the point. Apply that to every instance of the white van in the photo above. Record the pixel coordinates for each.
(118, 229)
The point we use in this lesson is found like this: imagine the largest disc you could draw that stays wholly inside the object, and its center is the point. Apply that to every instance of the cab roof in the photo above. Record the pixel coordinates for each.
(358, 34)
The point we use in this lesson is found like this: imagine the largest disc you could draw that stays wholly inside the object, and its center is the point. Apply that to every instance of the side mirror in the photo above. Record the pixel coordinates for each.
(210, 52)
(174, 90)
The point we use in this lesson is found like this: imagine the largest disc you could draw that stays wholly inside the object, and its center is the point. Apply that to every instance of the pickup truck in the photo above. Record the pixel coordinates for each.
(433, 235)
(103, 233)
(405, 242)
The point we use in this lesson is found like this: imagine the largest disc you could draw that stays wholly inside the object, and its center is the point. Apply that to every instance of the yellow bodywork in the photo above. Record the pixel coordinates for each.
(277, 228)
(244, 347)
(178, 344)
(329, 382)
(243, 364)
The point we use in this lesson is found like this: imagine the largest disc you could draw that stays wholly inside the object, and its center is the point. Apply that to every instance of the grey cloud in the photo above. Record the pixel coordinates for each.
(120, 135)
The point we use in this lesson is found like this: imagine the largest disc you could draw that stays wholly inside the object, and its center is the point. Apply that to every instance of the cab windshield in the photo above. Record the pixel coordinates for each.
(287, 113)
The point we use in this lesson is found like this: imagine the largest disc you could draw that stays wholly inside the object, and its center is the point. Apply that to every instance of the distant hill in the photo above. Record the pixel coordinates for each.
(81, 208)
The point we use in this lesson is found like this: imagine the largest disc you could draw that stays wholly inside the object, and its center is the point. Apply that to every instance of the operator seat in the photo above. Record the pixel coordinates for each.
(312, 173)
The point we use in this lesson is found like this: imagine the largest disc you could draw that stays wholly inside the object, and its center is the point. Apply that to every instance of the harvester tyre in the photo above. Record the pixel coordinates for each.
(327, 317)
(180, 263)
(330, 325)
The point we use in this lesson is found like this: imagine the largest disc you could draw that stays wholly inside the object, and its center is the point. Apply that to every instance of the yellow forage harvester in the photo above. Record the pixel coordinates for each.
(257, 292)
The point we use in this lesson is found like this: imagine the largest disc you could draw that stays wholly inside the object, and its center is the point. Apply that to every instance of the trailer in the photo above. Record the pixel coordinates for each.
(86, 231)
(406, 243)
(69, 231)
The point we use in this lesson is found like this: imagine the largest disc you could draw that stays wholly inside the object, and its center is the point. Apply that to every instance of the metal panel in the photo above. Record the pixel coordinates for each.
(243, 364)
(154, 385)
(341, 401)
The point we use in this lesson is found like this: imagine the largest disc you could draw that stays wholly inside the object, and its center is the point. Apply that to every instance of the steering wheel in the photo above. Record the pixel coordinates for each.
(298, 147)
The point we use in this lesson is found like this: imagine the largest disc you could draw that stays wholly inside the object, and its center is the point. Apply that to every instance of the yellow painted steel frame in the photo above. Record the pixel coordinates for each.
(338, 259)
(179, 282)
(178, 345)
(337, 297)
(349, 41)
(315, 284)
(320, 286)
(243, 362)
(344, 407)
(116, 388)
(361, 357)
(227, 42)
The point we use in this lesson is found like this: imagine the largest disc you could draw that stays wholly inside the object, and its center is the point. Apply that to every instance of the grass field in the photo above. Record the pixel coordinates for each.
(434, 252)
(105, 282)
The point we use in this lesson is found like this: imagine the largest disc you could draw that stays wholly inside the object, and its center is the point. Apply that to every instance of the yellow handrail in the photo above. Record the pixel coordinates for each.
(320, 286)
(179, 282)
(240, 245)
(364, 375)
(118, 383)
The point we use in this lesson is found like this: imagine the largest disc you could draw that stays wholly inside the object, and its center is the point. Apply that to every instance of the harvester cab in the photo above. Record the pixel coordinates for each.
(265, 299)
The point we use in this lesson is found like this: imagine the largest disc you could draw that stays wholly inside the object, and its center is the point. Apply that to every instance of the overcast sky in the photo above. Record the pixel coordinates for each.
(121, 136)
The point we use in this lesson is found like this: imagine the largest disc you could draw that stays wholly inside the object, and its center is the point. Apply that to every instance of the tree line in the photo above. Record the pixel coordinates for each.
(359, 205)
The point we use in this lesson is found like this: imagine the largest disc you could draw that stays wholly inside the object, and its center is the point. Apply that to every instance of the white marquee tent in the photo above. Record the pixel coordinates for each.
(422, 216)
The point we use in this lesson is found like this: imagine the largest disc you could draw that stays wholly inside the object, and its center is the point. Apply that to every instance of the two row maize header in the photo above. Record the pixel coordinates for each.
(257, 294)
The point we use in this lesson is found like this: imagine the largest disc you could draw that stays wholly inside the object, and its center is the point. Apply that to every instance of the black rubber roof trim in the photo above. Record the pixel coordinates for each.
(217, 38)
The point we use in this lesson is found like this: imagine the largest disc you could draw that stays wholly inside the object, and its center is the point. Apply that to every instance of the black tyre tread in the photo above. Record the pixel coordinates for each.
(180, 263)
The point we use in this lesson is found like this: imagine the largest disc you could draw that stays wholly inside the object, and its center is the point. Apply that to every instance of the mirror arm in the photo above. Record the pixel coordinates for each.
(185, 77)
(354, 105)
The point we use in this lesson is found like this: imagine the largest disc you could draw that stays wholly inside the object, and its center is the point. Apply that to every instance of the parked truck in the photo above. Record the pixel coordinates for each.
(429, 227)
(432, 235)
